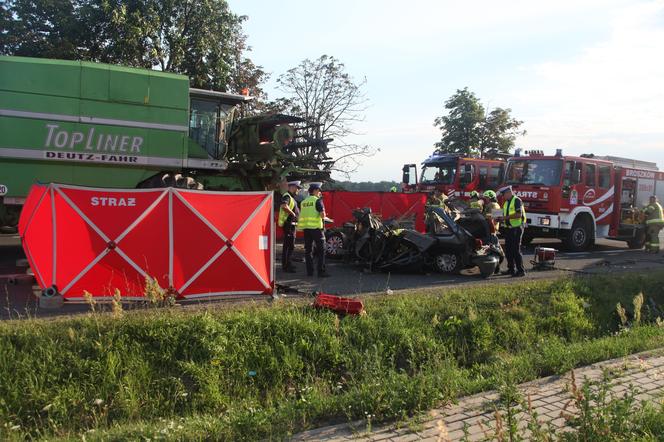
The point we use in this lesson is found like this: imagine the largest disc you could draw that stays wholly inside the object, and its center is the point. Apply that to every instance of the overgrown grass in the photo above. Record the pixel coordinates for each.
(595, 412)
(267, 372)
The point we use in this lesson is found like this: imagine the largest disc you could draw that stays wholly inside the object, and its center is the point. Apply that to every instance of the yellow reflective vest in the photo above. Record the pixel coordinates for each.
(283, 215)
(475, 204)
(510, 209)
(310, 218)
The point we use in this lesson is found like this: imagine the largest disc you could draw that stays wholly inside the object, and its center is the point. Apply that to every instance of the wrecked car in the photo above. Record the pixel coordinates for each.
(447, 247)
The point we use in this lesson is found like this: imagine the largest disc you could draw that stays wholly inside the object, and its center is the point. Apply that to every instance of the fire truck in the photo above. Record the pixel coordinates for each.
(454, 175)
(580, 199)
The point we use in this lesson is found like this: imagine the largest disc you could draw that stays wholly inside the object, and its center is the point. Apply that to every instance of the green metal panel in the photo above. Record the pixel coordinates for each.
(39, 103)
(94, 81)
(40, 76)
(61, 118)
(167, 90)
(129, 87)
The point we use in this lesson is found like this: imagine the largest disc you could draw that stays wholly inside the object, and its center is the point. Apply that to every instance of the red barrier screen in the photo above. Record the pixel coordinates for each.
(402, 207)
(193, 243)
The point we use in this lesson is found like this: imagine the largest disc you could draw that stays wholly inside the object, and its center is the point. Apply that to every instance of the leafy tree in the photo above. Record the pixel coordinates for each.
(499, 132)
(332, 102)
(46, 28)
(202, 39)
(467, 129)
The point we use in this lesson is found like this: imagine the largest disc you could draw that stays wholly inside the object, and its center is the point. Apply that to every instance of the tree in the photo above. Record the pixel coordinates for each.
(202, 39)
(499, 132)
(468, 130)
(332, 102)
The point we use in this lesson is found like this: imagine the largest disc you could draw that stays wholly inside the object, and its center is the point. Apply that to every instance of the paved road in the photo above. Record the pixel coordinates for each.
(607, 256)
(549, 397)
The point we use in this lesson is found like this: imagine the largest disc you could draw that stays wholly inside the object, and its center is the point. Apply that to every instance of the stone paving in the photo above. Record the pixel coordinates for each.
(549, 397)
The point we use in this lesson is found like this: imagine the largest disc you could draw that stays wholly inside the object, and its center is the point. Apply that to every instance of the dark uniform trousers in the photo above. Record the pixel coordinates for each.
(289, 244)
(513, 248)
(314, 245)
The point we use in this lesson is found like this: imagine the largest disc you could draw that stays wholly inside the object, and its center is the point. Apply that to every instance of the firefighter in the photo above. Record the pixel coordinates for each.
(654, 223)
(490, 205)
(437, 199)
(514, 217)
(475, 202)
(288, 214)
(393, 189)
(312, 219)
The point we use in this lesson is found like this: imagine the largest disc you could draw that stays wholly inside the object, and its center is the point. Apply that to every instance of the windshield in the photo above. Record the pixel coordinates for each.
(536, 172)
(438, 174)
(204, 124)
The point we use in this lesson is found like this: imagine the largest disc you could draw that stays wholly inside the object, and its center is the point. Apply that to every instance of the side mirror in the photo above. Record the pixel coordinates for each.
(409, 172)
(577, 176)
(405, 178)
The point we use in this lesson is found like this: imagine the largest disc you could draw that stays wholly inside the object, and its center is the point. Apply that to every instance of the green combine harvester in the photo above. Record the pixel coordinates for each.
(101, 125)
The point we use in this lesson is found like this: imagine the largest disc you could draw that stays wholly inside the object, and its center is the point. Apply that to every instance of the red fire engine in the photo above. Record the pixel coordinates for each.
(454, 175)
(579, 199)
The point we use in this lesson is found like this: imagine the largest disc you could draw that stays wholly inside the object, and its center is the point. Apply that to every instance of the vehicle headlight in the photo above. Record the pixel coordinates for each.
(545, 221)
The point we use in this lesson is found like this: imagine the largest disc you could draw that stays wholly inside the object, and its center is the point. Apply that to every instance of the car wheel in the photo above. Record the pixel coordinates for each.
(447, 262)
(334, 245)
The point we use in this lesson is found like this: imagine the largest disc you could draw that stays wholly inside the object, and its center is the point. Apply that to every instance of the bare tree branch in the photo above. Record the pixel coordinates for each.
(321, 92)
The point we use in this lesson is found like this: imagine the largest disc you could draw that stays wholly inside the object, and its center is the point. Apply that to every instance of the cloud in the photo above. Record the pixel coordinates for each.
(611, 95)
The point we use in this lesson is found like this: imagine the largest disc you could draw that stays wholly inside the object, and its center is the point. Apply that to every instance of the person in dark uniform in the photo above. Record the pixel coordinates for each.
(288, 214)
(311, 222)
(514, 218)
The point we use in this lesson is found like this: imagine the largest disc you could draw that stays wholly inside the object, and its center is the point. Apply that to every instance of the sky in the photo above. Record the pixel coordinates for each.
(586, 76)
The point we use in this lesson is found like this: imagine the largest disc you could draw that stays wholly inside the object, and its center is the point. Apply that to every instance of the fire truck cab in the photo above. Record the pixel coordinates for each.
(453, 175)
(579, 199)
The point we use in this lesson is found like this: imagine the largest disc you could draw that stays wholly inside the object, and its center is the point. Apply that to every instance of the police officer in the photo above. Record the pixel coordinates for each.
(654, 223)
(288, 213)
(514, 217)
(312, 218)
(475, 202)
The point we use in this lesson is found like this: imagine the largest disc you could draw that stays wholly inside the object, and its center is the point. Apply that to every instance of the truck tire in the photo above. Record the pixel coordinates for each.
(447, 262)
(638, 241)
(580, 237)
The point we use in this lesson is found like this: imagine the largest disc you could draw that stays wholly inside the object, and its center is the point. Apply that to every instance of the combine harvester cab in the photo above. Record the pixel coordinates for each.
(454, 175)
(579, 199)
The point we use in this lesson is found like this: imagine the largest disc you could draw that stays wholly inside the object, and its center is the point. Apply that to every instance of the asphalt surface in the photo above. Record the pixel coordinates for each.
(605, 257)
(17, 300)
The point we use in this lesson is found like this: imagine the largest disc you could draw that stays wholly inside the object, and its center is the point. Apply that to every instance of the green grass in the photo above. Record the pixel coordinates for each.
(267, 372)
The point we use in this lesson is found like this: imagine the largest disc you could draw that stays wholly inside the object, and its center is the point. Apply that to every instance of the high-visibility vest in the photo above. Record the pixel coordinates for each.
(475, 205)
(654, 213)
(309, 217)
(488, 212)
(435, 201)
(283, 215)
(509, 210)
